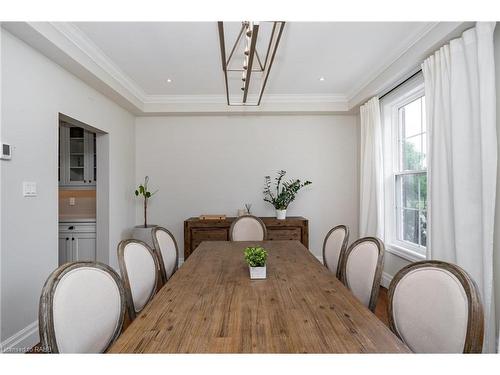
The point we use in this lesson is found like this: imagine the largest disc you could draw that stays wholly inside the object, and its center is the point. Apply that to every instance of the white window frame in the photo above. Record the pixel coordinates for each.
(390, 105)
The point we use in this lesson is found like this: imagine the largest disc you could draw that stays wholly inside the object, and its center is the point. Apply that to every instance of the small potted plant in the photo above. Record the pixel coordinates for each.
(285, 193)
(143, 232)
(256, 259)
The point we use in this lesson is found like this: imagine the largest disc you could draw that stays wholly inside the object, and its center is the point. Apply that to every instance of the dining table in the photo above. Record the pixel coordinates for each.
(210, 305)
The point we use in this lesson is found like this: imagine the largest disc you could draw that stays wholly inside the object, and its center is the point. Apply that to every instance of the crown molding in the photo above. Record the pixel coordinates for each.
(81, 41)
(269, 98)
(68, 46)
(408, 61)
(412, 40)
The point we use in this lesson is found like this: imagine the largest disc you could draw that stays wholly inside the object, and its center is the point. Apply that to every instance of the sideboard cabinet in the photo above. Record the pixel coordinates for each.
(197, 230)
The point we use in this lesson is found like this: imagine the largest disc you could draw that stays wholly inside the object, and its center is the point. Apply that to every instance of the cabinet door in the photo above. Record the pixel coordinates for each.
(84, 247)
(64, 249)
(76, 156)
(90, 159)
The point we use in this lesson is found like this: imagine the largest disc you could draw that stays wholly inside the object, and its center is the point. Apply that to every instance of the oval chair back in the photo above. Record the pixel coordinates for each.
(248, 228)
(434, 307)
(166, 251)
(81, 309)
(362, 269)
(139, 268)
(334, 248)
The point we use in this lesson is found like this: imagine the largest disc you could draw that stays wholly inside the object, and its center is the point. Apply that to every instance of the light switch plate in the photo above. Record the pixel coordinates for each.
(29, 189)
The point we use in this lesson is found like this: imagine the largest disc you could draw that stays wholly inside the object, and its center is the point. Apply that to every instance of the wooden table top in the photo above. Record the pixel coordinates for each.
(210, 305)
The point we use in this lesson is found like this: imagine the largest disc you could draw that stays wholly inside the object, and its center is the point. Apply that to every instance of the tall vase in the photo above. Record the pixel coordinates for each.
(144, 234)
(281, 214)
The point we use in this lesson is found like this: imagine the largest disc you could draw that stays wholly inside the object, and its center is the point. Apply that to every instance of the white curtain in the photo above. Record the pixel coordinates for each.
(371, 171)
(462, 159)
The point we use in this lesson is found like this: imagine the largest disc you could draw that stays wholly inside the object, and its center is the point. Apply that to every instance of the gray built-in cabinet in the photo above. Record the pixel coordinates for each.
(77, 158)
(77, 242)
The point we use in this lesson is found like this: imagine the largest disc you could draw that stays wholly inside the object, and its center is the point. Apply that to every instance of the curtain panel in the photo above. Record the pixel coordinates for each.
(462, 159)
(371, 171)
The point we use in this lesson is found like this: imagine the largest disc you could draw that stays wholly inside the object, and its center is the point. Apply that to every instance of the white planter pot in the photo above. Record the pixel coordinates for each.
(143, 234)
(257, 272)
(281, 214)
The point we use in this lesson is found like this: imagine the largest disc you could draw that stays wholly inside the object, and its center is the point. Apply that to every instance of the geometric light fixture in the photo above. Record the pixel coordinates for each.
(245, 69)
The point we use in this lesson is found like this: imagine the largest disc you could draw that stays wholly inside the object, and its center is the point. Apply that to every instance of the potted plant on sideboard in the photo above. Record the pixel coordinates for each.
(143, 232)
(285, 193)
(256, 259)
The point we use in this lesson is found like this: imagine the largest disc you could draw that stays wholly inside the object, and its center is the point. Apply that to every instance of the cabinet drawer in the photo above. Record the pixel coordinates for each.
(289, 234)
(77, 228)
(199, 235)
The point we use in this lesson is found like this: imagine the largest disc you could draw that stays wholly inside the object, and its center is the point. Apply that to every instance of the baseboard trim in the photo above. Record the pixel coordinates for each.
(21, 341)
(386, 280)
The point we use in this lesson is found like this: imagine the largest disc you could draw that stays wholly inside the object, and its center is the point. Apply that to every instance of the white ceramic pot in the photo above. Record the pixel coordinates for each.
(281, 214)
(143, 234)
(257, 272)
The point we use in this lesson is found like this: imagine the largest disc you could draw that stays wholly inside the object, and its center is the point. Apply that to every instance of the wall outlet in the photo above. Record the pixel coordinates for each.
(72, 201)
(29, 189)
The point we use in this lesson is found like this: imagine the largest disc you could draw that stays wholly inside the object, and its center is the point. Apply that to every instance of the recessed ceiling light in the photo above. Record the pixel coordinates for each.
(321, 79)
(169, 80)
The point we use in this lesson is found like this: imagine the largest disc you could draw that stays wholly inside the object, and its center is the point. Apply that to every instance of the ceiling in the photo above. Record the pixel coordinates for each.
(346, 54)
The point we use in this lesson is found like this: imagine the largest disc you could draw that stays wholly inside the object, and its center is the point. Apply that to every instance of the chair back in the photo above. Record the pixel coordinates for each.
(247, 228)
(362, 267)
(167, 252)
(139, 268)
(81, 308)
(434, 307)
(334, 248)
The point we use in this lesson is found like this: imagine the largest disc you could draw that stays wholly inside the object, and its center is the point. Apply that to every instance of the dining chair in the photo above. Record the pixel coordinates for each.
(361, 269)
(247, 228)
(167, 252)
(434, 307)
(139, 269)
(81, 310)
(334, 248)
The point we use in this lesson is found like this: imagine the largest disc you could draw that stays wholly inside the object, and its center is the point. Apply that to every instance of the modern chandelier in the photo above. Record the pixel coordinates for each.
(245, 67)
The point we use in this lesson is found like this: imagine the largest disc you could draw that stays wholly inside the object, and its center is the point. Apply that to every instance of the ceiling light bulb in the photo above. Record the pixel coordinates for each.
(321, 79)
(169, 80)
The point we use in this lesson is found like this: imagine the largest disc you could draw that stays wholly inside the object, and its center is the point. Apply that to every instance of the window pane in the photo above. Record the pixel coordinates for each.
(423, 228)
(412, 118)
(410, 198)
(422, 189)
(410, 225)
(412, 154)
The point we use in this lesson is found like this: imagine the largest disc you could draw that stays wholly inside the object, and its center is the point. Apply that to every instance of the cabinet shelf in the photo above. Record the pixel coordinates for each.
(77, 162)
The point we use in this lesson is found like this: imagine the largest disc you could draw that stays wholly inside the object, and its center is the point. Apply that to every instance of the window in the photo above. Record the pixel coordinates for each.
(411, 176)
(405, 170)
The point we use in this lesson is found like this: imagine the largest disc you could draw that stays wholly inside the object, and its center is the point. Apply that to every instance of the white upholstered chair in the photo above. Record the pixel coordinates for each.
(362, 269)
(434, 307)
(139, 268)
(81, 308)
(247, 228)
(166, 251)
(334, 248)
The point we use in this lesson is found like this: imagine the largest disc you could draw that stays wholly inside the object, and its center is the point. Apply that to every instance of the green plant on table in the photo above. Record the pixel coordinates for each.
(285, 191)
(255, 256)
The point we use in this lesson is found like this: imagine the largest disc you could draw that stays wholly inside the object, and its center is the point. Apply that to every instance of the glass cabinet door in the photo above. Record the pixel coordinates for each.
(76, 155)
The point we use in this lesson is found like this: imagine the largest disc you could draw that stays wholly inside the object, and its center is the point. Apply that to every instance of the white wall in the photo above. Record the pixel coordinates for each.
(34, 91)
(216, 164)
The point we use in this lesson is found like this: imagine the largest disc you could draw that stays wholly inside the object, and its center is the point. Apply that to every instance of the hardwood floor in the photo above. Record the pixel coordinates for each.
(381, 309)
